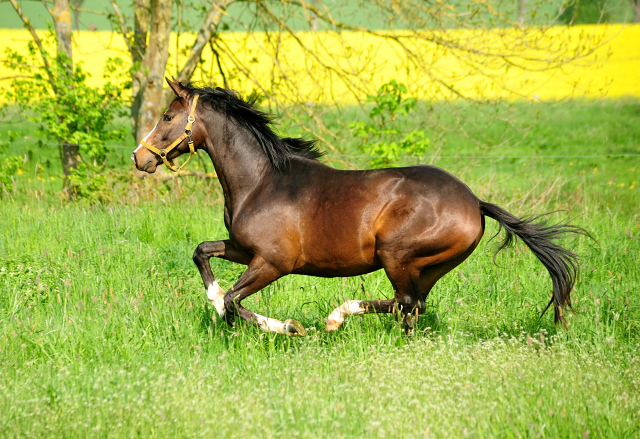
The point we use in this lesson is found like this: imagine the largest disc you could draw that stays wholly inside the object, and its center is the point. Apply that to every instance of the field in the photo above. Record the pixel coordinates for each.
(106, 330)
(370, 62)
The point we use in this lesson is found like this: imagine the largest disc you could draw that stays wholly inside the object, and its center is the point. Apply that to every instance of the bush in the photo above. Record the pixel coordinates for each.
(584, 12)
(381, 138)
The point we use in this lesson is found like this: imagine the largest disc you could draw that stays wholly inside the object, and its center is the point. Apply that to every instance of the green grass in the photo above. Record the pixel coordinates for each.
(105, 330)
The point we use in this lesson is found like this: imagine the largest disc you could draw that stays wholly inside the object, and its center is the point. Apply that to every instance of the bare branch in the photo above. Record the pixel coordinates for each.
(121, 22)
(6, 78)
(90, 11)
(36, 39)
(208, 28)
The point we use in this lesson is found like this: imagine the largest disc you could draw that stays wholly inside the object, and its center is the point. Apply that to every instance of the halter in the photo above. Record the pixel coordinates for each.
(186, 135)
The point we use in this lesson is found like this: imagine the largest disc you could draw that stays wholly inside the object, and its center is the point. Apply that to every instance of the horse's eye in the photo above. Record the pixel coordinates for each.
(167, 118)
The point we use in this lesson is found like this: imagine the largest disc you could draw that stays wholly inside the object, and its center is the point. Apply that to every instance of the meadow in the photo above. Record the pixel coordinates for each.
(106, 330)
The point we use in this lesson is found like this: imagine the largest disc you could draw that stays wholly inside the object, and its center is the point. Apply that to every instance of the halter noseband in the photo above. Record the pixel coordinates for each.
(186, 135)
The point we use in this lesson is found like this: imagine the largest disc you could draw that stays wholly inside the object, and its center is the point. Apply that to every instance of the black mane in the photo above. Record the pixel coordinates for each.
(244, 113)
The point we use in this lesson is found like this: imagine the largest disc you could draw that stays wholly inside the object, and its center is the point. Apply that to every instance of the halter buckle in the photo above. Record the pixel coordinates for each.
(163, 153)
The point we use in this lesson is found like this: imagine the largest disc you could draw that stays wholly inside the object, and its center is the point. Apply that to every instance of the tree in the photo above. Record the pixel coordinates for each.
(488, 39)
(636, 10)
(61, 15)
(65, 108)
(152, 23)
(584, 12)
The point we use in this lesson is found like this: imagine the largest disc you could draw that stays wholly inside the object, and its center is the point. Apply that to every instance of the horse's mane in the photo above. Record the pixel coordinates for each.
(245, 114)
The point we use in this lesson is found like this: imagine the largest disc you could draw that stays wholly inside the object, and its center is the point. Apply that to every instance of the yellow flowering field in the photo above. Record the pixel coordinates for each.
(359, 63)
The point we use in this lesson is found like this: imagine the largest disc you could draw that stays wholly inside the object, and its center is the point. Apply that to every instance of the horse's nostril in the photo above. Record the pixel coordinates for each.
(134, 159)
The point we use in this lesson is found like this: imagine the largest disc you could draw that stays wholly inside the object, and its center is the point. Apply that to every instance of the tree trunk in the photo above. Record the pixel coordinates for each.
(154, 64)
(149, 54)
(138, 52)
(62, 22)
(522, 12)
(69, 156)
(636, 11)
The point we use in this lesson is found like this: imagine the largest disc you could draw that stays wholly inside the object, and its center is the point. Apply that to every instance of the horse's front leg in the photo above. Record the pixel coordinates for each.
(216, 249)
(259, 274)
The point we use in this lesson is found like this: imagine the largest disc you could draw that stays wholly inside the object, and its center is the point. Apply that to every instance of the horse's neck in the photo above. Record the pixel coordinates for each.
(240, 164)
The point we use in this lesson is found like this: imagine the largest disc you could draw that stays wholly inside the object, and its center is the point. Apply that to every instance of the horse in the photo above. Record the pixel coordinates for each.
(286, 212)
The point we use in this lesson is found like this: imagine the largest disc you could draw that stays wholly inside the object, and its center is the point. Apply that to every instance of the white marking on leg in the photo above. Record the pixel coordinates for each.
(216, 296)
(270, 325)
(348, 308)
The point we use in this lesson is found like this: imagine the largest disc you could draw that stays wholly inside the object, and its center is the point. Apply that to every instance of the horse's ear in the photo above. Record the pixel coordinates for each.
(177, 87)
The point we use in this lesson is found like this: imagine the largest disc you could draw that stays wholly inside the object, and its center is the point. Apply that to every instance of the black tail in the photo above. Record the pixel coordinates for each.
(561, 264)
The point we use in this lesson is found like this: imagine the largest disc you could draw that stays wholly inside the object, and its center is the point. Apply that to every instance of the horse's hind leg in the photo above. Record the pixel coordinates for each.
(358, 307)
(218, 249)
(411, 280)
(409, 298)
(431, 274)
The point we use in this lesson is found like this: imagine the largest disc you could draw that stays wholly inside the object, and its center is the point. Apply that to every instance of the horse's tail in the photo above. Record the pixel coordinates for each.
(539, 235)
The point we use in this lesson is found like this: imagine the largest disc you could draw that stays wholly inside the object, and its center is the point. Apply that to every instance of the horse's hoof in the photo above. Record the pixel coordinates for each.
(293, 327)
(332, 325)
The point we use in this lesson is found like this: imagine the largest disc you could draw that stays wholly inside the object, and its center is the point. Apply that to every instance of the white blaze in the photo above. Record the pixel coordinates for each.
(145, 139)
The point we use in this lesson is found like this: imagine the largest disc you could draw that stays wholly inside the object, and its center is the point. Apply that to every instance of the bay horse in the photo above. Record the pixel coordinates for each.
(286, 212)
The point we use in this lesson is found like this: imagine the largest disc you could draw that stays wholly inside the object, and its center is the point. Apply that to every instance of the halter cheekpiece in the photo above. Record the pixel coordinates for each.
(186, 135)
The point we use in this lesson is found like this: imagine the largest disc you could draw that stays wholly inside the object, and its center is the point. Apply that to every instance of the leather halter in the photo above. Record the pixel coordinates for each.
(186, 135)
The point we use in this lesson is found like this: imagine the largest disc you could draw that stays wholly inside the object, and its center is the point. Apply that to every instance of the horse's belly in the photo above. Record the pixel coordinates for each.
(331, 270)
(346, 253)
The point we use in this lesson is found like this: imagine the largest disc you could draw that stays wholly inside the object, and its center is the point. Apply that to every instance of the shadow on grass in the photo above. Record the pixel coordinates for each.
(360, 333)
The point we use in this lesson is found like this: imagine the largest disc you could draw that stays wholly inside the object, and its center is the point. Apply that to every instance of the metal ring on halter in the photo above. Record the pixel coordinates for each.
(163, 153)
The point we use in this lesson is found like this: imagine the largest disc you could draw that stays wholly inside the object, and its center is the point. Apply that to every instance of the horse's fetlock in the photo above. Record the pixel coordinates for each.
(230, 303)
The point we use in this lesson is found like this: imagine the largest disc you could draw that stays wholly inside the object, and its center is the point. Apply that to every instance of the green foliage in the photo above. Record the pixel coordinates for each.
(89, 184)
(65, 108)
(9, 165)
(381, 138)
(584, 12)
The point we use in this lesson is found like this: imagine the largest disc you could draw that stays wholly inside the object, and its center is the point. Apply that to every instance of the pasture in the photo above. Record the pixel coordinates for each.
(106, 330)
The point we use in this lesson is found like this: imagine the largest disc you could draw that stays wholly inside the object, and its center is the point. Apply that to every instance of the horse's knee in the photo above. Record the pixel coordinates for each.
(205, 251)
(198, 254)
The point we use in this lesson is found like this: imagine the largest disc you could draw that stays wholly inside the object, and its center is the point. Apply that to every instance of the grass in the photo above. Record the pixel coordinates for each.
(105, 330)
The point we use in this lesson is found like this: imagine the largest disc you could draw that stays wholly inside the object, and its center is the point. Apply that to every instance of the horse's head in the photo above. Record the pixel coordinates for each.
(172, 135)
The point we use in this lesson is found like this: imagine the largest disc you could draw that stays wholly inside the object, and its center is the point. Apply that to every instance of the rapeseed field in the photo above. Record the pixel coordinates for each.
(367, 61)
